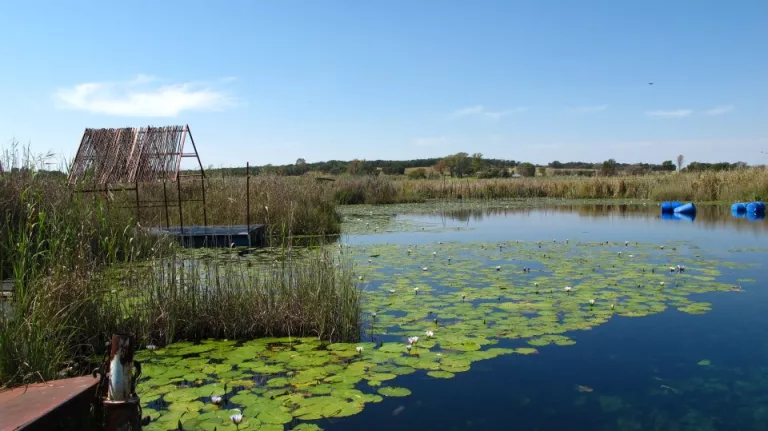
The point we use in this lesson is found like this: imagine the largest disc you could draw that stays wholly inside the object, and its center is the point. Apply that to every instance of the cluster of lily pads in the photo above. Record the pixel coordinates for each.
(432, 309)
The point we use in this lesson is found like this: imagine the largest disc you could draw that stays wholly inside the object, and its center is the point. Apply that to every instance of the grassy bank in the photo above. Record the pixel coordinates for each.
(735, 185)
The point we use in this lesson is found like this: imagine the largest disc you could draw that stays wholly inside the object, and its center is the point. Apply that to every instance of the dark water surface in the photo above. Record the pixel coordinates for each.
(668, 371)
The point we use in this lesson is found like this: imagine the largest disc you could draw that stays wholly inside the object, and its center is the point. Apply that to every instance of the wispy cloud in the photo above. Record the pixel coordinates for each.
(481, 111)
(145, 96)
(431, 142)
(720, 110)
(676, 113)
(590, 108)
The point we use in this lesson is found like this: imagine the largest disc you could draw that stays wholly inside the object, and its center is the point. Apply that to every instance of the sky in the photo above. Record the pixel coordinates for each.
(273, 81)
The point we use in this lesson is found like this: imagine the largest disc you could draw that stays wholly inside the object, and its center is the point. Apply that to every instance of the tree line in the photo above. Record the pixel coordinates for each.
(463, 164)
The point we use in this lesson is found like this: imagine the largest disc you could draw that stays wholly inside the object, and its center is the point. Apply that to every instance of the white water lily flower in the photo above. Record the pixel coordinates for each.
(619, 253)
(429, 334)
(498, 267)
(631, 255)
(591, 302)
(360, 278)
(568, 288)
(236, 418)
(661, 283)
(216, 399)
(359, 349)
(434, 253)
(151, 347)
(415, 289)
(424, 269)
(391, 290)
(662, 247)
(373, 314)
(408, 346)
(612, 306)
(415, 340)
(681, 268)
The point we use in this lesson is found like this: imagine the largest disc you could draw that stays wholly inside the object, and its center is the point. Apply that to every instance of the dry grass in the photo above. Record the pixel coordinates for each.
(743, 184)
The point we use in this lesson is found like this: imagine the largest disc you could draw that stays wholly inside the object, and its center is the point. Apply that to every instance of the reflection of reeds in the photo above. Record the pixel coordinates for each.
(710, 216)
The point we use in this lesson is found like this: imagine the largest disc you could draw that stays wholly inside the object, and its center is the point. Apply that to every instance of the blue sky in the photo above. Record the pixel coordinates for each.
(269, 82)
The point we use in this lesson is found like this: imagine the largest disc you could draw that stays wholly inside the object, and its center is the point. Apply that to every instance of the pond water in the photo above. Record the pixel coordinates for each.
(661, 327)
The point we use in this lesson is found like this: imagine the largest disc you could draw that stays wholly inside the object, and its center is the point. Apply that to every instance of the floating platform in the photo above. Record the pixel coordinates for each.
(45, 406)
(216, 236)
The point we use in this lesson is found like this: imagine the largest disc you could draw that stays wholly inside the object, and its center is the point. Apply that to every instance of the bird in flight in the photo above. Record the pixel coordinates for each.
(650, 83)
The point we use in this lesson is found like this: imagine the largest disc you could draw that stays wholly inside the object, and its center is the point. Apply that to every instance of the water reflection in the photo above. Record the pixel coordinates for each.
(707, 216)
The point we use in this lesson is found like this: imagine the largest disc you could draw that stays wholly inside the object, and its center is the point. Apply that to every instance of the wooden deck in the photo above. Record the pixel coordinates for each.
(26, 407)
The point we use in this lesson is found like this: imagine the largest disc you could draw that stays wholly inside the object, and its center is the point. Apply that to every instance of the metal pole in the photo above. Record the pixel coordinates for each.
(138, 213)
(178, 196)
(248, 199)
(205, 213)
(165, 200)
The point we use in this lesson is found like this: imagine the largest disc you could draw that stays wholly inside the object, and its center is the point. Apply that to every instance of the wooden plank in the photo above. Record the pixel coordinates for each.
(23, 406)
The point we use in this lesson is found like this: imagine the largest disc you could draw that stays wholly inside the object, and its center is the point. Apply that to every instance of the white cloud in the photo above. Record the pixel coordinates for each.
(676, 113)
(595, 108)
(431, 142)
(720, 110)
(480, 110)
(144, 96)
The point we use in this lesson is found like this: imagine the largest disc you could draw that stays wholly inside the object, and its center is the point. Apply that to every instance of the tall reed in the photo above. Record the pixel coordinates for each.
(735, 185)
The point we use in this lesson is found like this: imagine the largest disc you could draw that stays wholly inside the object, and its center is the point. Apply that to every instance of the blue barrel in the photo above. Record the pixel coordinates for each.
(688, 208)
(754, 217)
(756, 207)
(669, 206)
(739, 207)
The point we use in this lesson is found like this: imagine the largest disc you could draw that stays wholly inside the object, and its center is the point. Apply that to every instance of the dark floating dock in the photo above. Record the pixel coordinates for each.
(216, 236)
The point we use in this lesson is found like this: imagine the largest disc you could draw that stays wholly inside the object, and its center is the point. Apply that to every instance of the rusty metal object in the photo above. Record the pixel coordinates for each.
(122, 410)
(121, 159)
(129, 155)
(120, 367)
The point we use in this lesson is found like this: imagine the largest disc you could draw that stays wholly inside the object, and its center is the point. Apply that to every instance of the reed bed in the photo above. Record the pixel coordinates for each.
(735, 185)
(79, 268)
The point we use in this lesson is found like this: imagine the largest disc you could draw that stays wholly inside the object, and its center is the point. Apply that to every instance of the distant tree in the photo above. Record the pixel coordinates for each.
(300, 162)
(526, 169)
(680, 160)
(667, 165)
(354, 167)
(556, 165)
(477, 162)
(440, 167)
(461, 162)
(609, 168)
(417, 174)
